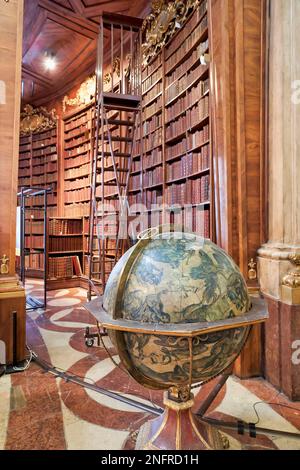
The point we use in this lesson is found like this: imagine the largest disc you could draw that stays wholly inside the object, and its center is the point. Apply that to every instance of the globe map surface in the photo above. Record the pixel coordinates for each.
(178, 278)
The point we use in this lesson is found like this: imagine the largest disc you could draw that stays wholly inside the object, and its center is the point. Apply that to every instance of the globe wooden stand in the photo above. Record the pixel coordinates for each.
(178, 429)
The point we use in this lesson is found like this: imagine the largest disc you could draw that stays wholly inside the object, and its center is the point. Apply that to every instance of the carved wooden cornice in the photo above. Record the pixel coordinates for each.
(162, 23)
(84, 95)
(86, 92)
(36, 120)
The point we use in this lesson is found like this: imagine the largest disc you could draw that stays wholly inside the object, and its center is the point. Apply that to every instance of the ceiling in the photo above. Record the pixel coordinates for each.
(68, 30)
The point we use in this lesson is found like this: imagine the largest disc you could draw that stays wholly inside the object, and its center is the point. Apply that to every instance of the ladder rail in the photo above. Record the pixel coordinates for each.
(112, 153)
(94, 170)
(117, 115)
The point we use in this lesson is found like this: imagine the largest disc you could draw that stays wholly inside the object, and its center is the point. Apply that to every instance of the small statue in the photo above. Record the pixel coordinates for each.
(4, 267)
(252, 274)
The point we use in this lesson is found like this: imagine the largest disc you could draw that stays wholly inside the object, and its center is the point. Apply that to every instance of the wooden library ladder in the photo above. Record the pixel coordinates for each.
(117, 116)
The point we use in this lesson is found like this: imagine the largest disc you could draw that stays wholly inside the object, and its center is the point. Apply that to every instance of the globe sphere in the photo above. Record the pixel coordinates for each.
(176, 278)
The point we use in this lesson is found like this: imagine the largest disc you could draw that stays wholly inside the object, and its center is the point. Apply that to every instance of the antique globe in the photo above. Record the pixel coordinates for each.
(177, 309)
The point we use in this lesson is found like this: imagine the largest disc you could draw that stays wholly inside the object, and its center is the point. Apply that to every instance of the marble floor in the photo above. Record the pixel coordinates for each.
(40, 411)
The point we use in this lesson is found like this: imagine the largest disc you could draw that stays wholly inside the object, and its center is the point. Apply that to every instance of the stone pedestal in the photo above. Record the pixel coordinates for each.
(12, 321)
(278, 273)
(178, 429)
(282, 329)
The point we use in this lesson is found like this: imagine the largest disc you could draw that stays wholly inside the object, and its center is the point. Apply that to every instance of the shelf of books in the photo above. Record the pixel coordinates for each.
(172, 163)
(37, 168)
(65, 251)
(77, 156)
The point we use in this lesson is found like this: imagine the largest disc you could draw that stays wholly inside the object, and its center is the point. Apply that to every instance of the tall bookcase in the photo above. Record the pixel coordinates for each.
(172, 162)
(38, 167)
(77, 160)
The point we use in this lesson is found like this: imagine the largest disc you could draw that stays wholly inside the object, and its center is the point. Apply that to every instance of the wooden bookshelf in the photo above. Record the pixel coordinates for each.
(65, 251)
(77, 156)
(172, 162)
(38, 167)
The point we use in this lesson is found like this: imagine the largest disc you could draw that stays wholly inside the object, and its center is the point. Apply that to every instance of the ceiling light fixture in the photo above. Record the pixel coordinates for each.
(50, 61)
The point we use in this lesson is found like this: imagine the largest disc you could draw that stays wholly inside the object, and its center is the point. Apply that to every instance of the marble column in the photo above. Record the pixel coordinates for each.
(278, 258)
(12, 296)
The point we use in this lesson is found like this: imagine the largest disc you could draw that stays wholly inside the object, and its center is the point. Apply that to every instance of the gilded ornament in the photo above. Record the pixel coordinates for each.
(161, 24)
(36, 119)
(252, 273)
(107, 78)
(4, 265)
(225, 441)
(292, 278)
(129, 65)
(116, 65)
(182, 393)
(84, 95)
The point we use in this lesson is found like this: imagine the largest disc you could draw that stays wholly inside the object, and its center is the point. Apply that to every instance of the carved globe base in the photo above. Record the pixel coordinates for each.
(178, 429)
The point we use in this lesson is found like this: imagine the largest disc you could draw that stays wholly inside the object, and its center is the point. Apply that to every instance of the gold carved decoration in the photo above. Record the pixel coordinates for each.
(107, 78)
(179, 393)
(225, 441)
(84, 95)
(86, 91)
(36, 119)
(116, 66)
(252, 273)
(292, 278)
(4, 265)
(116, 69)
(163, 21)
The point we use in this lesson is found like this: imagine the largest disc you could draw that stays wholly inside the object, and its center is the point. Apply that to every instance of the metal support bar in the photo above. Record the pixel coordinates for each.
(74, 379)
(24, 194)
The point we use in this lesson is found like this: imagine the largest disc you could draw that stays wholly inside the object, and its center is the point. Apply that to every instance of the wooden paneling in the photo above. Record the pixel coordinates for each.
(12, 297)
(237, 77)
(10, 47)
(237, 99)
(12, 321)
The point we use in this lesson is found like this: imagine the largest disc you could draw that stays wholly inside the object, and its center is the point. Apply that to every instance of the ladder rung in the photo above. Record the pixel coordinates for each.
(113, 178)
(106, 213)
(116, 154)
(113, 183)
(110, 196)
(118, 139)
(98, 281)
(119, 99)
(112, 107)
(111, 167)
(120, 122)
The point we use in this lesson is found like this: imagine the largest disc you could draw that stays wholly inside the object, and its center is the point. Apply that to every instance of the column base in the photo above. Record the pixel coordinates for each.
(12, 321)
(282, 347)
(279, 279)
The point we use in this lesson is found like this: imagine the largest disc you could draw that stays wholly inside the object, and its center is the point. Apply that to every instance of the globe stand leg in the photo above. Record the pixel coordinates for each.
(178, 429)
